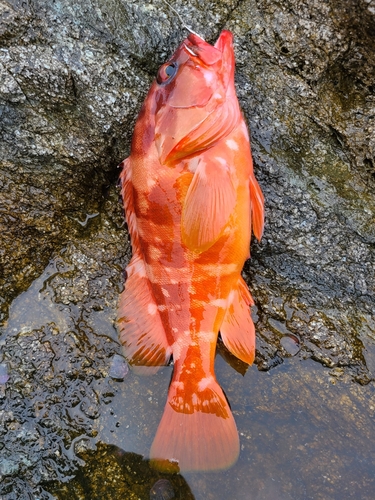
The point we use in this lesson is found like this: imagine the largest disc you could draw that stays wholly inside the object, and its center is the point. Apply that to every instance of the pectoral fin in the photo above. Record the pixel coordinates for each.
(208, 205)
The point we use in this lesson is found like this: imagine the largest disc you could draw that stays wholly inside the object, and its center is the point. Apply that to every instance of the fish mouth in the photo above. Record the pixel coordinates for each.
(207, 53)
(225, 40)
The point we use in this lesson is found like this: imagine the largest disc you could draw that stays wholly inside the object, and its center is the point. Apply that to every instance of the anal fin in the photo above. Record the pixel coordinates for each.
(141, 330)
(237, 330)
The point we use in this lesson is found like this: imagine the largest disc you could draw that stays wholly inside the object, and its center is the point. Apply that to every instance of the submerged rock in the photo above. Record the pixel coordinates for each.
(119, 367)
(162, 490)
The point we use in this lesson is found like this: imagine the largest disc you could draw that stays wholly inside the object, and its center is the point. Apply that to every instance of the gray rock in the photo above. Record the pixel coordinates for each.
(306, 81)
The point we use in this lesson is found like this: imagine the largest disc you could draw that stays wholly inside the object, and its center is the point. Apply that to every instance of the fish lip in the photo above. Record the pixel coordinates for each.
(204, 51)
(195, 47)
(188, 49)
(225, 38)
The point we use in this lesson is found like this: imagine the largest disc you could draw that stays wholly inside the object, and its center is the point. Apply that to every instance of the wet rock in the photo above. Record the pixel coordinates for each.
(58, 346)
(291, 344)
(304, 74)
(4, 377)
(314, 270)
(69, 88)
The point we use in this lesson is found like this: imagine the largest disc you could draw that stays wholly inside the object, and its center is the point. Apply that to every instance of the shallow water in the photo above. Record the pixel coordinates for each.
(307, 432)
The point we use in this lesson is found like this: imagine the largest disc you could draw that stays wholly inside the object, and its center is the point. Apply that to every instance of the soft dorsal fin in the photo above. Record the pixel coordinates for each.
(209, 203)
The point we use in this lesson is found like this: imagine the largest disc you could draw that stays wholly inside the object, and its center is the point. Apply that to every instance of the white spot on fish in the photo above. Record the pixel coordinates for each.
(221, 160)
(155, 252)
(223, 303)
(231, 297)
(151, 308)
(178, 385)
(193, 164)
(165, 292)
(209, 76)
(207, 336)
(204, 383)
(221, 269)
(232, 144)
(194, 399)
(170, 270)
(181, 344)
(137, 267)
(150, 182)
(202, 173)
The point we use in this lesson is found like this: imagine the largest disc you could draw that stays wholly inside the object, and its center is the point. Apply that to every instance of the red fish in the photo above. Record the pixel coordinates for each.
(191, 199)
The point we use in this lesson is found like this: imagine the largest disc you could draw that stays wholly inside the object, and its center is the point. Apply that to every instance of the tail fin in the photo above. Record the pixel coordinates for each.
(197, 430)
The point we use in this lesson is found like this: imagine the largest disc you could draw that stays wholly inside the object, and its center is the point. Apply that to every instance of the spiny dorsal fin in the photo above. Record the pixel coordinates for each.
(257, 207)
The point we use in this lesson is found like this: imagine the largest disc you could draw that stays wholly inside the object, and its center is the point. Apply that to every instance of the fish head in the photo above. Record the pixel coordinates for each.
(193, 95)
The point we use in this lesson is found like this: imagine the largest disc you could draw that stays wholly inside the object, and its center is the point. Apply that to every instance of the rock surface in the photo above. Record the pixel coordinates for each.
(73, 75)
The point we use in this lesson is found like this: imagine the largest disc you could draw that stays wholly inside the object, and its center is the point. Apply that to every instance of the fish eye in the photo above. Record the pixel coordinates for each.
(166, 73)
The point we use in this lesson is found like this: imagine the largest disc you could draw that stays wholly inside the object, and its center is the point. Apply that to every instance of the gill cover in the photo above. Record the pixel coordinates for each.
(197, 106)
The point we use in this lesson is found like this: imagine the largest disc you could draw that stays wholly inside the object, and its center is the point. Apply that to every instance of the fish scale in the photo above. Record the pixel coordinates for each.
(190, 199)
